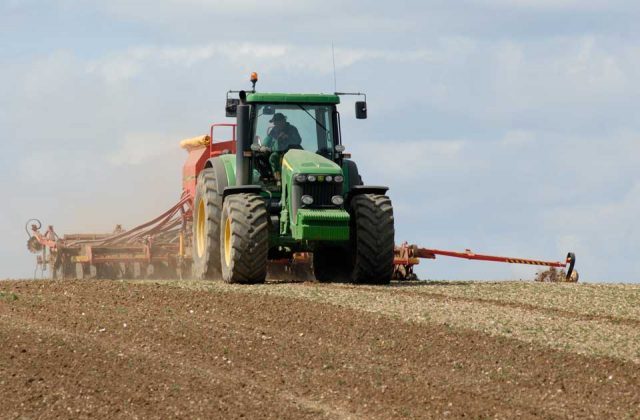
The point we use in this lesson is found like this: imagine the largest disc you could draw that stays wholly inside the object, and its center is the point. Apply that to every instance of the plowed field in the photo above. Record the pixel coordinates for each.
(114, 349)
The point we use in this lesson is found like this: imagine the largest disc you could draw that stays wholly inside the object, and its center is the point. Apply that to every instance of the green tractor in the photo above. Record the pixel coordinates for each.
(285, 186)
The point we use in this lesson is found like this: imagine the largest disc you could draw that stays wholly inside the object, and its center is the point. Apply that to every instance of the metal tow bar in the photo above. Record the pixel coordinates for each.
(408, 255)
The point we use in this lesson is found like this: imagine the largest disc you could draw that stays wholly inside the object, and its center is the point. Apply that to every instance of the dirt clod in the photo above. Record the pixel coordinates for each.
(553, 275)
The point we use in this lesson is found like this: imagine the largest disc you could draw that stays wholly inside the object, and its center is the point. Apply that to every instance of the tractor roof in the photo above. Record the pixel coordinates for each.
(303, 98)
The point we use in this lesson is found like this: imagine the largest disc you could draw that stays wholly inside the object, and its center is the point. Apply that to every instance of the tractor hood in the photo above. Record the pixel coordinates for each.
(305, 162)
(318, 220)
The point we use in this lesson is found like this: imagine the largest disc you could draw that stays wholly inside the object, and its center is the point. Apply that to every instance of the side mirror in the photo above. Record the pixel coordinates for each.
(231, 108)
(361, 110)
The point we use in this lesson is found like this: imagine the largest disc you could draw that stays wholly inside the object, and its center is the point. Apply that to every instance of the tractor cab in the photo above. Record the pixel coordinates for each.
(276, 123)
(280, 123)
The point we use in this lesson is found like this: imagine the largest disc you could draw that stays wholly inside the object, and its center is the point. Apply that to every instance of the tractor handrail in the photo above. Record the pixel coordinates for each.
(234, 125)
(226, 146)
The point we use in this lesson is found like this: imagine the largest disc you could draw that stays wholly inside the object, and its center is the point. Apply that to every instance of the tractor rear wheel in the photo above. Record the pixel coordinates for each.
(244, 239)
(206, 227)
(372, 241)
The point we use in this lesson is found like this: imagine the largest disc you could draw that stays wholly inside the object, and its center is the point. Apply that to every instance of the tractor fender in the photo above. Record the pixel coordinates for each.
(222, 179)
(350, 170)
(255, 189)
(366, 189)
(224, 168)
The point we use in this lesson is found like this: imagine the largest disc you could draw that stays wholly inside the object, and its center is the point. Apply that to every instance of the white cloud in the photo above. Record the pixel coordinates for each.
(146, 9)
(516, 138)
(568, 74)
(116, 69)
(556, 5)
(593, 67)
(123, 66)
(394, 161)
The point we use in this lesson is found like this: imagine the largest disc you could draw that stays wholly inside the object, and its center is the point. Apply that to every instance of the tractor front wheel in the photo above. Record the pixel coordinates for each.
(372, 239)
(244, 239)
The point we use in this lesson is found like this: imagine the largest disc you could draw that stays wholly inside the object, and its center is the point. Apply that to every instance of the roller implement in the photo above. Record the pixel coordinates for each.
(273, 189)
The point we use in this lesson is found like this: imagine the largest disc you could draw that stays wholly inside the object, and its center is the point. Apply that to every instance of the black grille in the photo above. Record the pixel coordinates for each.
(322, 192)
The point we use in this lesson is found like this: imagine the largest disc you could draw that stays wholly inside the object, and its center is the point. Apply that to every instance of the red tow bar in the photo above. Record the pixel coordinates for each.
(406, 256)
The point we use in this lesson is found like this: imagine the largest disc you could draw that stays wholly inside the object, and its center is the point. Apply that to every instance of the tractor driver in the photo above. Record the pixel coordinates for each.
(282, 137)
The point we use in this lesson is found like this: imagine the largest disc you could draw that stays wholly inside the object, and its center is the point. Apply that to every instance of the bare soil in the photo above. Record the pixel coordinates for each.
(113, 349)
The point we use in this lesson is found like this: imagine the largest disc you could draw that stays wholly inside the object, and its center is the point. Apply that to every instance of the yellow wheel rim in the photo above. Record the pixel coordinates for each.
(227, 242)
(201, 235)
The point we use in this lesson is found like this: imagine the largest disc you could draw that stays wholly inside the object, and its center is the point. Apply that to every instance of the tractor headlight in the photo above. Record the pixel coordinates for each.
(301, 178)
(337, 200)
(338, 178)
(311, 178)
(328, 178)
(307, 200)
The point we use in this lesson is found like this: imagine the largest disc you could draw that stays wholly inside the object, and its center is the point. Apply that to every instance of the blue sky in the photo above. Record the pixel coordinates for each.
(507, 127)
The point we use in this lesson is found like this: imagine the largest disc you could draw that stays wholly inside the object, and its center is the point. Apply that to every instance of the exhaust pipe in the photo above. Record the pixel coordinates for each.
(243, 143)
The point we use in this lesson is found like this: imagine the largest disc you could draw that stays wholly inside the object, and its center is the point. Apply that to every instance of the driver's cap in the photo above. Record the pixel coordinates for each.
(278, 116)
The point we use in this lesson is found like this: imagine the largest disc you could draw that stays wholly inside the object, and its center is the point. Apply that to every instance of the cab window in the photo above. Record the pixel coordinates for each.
(313, 122)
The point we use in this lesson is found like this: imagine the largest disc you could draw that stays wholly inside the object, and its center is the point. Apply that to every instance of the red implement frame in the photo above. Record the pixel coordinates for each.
(407, 256)
(157, 247)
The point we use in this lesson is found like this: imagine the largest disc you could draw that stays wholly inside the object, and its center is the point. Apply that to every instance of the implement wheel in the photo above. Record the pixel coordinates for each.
(206, 227)
(244, 239)
(372, 239)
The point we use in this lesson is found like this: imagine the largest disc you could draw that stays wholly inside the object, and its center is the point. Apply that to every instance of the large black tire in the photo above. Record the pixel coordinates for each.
(244, 239)
(206, 227)
(372, 239)
(332, 264)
